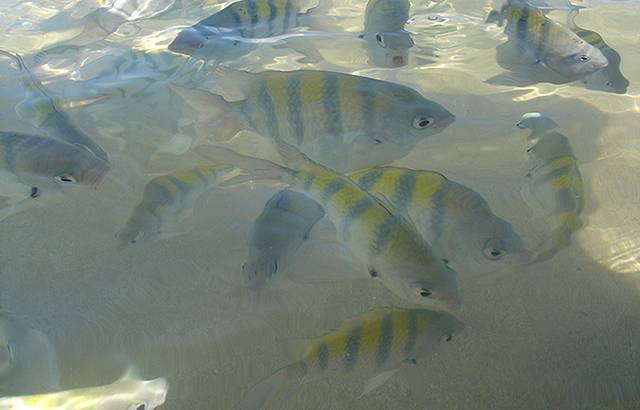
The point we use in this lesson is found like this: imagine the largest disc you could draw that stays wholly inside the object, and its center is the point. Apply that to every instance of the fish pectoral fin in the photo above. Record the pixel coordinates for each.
(378, 380)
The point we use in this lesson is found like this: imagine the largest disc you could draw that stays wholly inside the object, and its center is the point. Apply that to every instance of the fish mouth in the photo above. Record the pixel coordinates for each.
(398, 61)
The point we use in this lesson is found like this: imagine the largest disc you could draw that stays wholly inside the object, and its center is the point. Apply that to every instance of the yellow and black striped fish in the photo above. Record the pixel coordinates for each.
(244, 18)
(555, 168)
(334, 118)
(385, 243)
(166, 201)
(610, 78)
(378, 342)
(537, 39)
(40, 109)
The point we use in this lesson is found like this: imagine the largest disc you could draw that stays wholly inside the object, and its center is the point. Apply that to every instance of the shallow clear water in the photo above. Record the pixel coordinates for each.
(562, 333)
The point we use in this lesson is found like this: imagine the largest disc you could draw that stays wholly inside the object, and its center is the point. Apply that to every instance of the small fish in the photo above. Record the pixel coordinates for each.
(28, 360)
(554, 167)
(610, 78)
(535, 40)
(379, 342)
(341, 120)
(166, 201)
(40, 109)
(127, 393)
(387, 244)
(387, 42)
(278, 232)
(244, 18)
(454, 219)
(49, 161)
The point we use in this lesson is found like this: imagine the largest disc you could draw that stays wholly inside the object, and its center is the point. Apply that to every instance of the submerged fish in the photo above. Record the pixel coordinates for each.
(278, 232)
(167, 200)
(387, 42)
(380, 342)
(244, 18)
(39, 160)
(127, 393)
(28, 361)
(454, 219)
(39, 108)
(610, 78)
(554, 167)
(340, 120)
(386, 243)
(536, 40)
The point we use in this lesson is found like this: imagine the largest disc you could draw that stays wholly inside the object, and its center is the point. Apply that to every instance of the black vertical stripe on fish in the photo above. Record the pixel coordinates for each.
(323, 356)
(294, 107)
(522, 25)
(355, 211)
(412, 333)
(308, 181)
(438, 216)
(352, 347)
(273, 14)
(330, 189)
(287, 16)
(331, 104)
(237, 20)
(404, 191)
(383, 233)
(267, 104)
(542, 41)
(368, 180)
(162, 191)
(245, 110)
(252, 10)
(386, 338)
(182, 187)
(367, 105)
(201, 176)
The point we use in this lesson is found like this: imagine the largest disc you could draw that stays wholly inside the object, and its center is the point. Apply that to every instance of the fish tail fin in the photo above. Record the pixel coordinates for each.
(253, 169)
(261, 392)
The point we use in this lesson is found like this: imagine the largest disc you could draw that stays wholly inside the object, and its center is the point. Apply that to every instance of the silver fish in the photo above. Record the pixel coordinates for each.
(386, 40)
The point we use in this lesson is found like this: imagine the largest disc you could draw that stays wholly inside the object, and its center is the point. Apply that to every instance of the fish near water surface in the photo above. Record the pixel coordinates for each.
(127, 393)
(379, 342)
(28, 360)
(387, 244)
(536, 40)
(387, 42)
(340, 120)
(455, 220)
(40, 109)
(277, 233)
(555, 169)
(166, 201)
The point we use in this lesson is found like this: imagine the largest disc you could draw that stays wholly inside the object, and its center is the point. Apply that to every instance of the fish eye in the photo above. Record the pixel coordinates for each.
(449, 338)
(66, 178)
(425, 293)
(494, 249)
(421, 122)
(141, 406)
(236, 42)
(583, 58)
(137, 238)
(380, 39)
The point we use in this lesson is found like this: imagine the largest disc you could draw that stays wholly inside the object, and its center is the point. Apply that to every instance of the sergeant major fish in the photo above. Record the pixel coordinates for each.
(380, 342)
(535, 39)
(280, 229)
(167, 200)
(454, 219)
(555, 168)
(387, 42)
(609, 78)
(39, 108)
(127, 393)
(384, 242)
(340, 120)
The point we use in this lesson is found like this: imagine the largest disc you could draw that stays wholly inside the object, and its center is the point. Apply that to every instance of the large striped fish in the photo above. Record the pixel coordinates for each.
(127, 393)
(379, 342)
(535, 39)
(340, 120)
(456, 221)
(40, 109)
(386, 40)
(386, 243)
(554, 168)
(166, 201)
(28, 360)
(610, 78)
(245, 19)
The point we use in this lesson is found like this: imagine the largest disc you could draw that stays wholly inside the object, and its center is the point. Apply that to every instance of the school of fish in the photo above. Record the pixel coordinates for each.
(416, 232)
